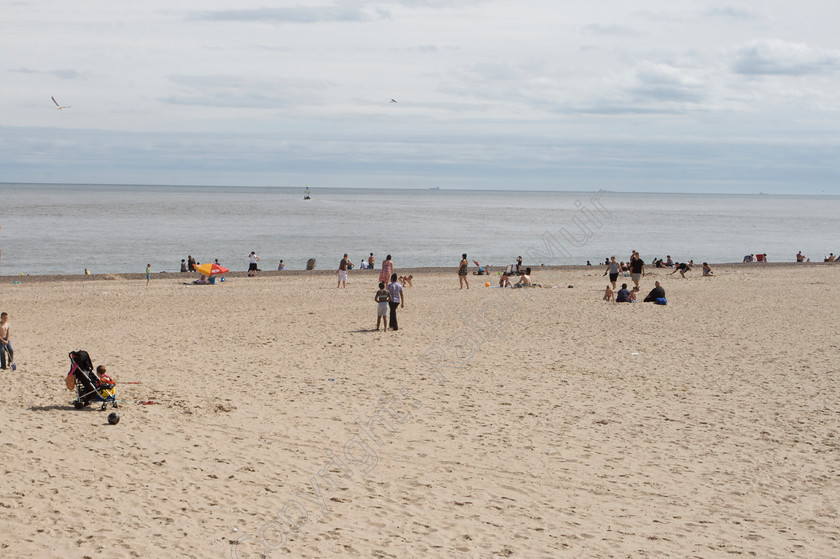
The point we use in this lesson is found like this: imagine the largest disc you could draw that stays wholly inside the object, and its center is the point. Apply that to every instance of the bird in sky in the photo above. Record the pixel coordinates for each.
(393, 100)
(60, 108)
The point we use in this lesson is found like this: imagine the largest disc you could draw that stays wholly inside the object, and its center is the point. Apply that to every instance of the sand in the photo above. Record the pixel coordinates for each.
(535, 423)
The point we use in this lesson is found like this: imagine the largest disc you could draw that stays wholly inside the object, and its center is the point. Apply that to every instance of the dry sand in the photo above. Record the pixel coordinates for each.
(565, 427)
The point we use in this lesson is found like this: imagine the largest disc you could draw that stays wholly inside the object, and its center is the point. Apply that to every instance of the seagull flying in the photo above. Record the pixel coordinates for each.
(393, 100)
(60, 108)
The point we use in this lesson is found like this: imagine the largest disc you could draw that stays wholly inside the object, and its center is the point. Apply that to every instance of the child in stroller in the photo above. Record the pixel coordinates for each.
(90, 386)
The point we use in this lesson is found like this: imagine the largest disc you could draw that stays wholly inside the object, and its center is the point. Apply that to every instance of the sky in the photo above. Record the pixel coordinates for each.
(648, 95)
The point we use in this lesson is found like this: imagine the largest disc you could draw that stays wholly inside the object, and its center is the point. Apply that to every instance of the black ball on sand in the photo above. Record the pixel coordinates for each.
(113, 418)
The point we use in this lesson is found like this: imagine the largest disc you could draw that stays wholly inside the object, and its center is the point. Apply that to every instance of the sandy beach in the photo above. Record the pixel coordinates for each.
(533, 423)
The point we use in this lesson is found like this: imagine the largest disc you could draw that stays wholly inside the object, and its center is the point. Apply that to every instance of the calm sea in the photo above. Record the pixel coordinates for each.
(63, 229)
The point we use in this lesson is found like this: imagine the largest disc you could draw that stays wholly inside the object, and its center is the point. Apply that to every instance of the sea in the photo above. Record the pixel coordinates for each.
(65, 229)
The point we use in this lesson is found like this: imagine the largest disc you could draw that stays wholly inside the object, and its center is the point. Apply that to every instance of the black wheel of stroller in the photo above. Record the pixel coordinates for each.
(104, 407)
(115, 405)
(78, 405)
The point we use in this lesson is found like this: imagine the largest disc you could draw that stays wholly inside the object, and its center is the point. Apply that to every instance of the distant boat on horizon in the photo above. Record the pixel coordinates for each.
(306, 193)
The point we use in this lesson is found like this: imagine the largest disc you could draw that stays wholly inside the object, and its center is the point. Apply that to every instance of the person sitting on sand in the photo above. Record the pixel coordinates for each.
(669, 263)
(682, 268)
(608, 294)
(707, 270)
(633, 293)
(504, 280)
(749, 257)
(800, 257)
(623, 295)
(525, 279)
(202, 280)
(406, 280)
(655, 293)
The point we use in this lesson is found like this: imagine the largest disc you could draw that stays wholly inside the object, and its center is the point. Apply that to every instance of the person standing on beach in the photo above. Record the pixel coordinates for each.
(183, 265)
(637, 268)
(462, 271)
(5, 344)
(613, 270)
(342, 272)
(191, 263)
(252, 264)
(382, 297)
(395, 290)
(372, 262)
(387, 269)
(148, 273)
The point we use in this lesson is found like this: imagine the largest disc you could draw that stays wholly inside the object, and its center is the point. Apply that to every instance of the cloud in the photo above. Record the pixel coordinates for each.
(62, 74)
(296, 14)
(235, 91)
(776, 57)
(664, 83)
(612, 30)
(734, 12)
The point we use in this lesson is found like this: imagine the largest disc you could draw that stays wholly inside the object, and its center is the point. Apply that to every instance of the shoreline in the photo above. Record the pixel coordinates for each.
(157, 276)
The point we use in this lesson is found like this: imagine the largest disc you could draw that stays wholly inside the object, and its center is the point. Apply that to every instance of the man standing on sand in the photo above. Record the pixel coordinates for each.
(252, 264)
(342, 272)
(637, 269)
(395, 290)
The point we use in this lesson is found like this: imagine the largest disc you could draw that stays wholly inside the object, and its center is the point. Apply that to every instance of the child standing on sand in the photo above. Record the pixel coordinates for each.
(382, 297)
(5, 344)
(148, 273)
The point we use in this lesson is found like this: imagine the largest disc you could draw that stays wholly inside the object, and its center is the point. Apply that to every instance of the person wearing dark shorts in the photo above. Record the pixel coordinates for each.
(682, 268)
(613, 270)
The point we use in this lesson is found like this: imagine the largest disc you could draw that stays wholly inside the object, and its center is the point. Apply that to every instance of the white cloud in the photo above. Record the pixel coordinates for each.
(778, 57)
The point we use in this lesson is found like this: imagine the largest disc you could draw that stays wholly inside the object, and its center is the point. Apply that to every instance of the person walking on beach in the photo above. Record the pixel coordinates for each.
(382, 298)
(5, 344)
(252, 264)
(395, 290)
(387, 269)
(148, 273)
(613, 269)
(342, 272)
(462, 271)
(637, 268)
(372, 262)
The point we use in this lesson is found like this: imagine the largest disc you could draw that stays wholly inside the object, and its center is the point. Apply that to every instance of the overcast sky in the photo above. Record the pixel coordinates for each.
(646, 95)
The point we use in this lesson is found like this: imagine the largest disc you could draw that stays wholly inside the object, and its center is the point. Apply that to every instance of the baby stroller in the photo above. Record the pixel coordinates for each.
(89, 387)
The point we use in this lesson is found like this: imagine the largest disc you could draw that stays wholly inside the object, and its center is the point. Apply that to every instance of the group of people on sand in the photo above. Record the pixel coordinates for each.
(624, 295)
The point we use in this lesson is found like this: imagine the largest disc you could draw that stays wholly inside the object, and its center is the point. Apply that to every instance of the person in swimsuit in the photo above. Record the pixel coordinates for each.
(382, 298)
(462, 271)
(342, 271)
(5, 343)
(707, 270)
